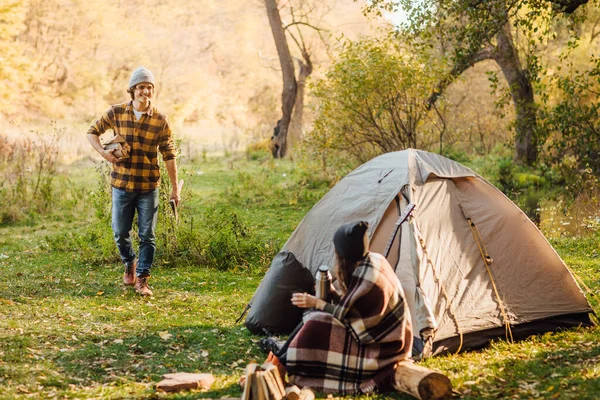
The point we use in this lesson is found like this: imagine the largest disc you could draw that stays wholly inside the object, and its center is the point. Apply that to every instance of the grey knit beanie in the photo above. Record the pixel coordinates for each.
(351, 240)
(141, 75)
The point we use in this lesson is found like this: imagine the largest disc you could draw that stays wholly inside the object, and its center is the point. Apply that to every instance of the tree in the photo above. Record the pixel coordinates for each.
(472, 31)
(305, 16)
(373, 100)
(305, 68)
(290, 87)
(573, 122)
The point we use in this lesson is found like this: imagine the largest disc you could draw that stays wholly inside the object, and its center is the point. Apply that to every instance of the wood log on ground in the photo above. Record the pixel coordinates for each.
(292, 392)
(183, 381)
(306, 394)
(422, 383)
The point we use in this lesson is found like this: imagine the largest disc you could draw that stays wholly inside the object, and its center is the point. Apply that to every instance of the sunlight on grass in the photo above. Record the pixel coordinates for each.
(70, 329)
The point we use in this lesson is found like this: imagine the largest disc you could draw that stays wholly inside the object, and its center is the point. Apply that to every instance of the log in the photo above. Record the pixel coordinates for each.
(274, 381)
(250, 370)
(183, 381)
(422, 383)
(306, 394)
(292, 392)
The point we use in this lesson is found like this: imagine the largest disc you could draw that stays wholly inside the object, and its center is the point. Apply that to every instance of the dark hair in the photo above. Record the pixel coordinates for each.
(131, 91)
(344, 268)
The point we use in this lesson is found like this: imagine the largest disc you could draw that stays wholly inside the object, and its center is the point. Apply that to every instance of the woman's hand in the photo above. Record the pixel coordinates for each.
(305, 300)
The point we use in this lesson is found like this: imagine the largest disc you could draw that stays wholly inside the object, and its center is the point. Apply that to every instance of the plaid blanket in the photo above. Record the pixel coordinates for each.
(354, 346)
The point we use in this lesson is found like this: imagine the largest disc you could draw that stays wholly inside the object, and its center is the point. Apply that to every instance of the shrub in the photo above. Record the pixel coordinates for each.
(373, 100)
(259, 151)
(28, 169)
(572, 124)
(217, 237)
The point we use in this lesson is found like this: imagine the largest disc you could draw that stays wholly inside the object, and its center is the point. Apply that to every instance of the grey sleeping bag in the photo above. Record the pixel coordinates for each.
(271, 311)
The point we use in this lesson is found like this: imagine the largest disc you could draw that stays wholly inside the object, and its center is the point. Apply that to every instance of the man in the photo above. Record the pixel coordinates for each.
(135, 179)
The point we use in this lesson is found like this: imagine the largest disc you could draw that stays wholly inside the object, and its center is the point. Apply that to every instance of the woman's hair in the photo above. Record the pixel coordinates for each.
(351, 245)
(344, 269)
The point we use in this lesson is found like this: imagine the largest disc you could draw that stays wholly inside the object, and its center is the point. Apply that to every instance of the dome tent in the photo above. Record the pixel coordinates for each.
(471, 263)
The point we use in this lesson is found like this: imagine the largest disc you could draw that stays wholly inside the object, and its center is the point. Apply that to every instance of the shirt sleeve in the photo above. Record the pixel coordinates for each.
(166, 145)
(104, 123)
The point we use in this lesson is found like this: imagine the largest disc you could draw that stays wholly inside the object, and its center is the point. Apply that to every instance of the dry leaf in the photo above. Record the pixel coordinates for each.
(118, 341)
(100, 293)
(165, 335)
(203, 353)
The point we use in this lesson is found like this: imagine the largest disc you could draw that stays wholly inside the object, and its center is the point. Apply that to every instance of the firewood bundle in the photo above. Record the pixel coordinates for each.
(263, 382)
(120, 146)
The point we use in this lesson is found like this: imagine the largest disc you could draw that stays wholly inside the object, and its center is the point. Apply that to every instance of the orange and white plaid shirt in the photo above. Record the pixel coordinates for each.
(146, 137)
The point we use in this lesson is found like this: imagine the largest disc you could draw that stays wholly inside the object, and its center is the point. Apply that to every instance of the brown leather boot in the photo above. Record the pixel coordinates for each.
(129, 275)
(141, 286)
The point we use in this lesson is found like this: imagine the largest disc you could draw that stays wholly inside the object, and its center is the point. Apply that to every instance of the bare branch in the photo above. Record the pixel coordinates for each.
(484, 54)
(316, 28)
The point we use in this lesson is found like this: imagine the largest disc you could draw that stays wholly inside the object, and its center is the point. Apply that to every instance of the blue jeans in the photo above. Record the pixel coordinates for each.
(124, 205)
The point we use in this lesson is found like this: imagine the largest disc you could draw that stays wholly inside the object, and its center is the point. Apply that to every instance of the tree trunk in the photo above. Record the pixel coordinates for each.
(288, 95)
(506, 56)
(296, 125)
(522, 95)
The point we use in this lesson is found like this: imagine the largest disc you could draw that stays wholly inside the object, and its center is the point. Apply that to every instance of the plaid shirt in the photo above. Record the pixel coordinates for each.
(140, 172)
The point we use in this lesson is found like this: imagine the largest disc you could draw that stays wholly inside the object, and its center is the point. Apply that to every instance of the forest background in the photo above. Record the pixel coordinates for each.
(508, 88)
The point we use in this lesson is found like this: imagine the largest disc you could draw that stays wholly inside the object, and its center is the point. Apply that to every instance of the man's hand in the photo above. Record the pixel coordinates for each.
(175, 196)
(110, 157)
(106, 154)
(176, 191)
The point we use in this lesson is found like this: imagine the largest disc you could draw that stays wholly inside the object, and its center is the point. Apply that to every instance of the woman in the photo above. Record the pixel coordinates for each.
(351, 347)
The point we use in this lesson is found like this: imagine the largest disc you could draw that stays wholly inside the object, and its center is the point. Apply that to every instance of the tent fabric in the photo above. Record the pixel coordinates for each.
(437, 253)
(271, 310)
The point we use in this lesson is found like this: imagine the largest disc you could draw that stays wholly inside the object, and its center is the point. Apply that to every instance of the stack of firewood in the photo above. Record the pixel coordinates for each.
(263, 382)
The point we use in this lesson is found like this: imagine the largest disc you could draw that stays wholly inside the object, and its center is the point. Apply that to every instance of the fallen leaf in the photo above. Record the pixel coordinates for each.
(203, 353)
(118, 341)
(165, 335)
(100, 293)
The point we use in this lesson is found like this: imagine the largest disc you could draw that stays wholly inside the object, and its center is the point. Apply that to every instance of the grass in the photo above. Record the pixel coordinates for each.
(70, 329)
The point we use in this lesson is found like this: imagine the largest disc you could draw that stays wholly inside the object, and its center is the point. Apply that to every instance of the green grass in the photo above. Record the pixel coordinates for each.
(70, 329)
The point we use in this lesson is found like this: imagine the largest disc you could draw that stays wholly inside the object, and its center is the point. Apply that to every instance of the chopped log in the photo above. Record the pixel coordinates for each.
(274, 381)
(250, 370)
(184, 381)
(422, 383)
(292, 392)
(306, 394)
